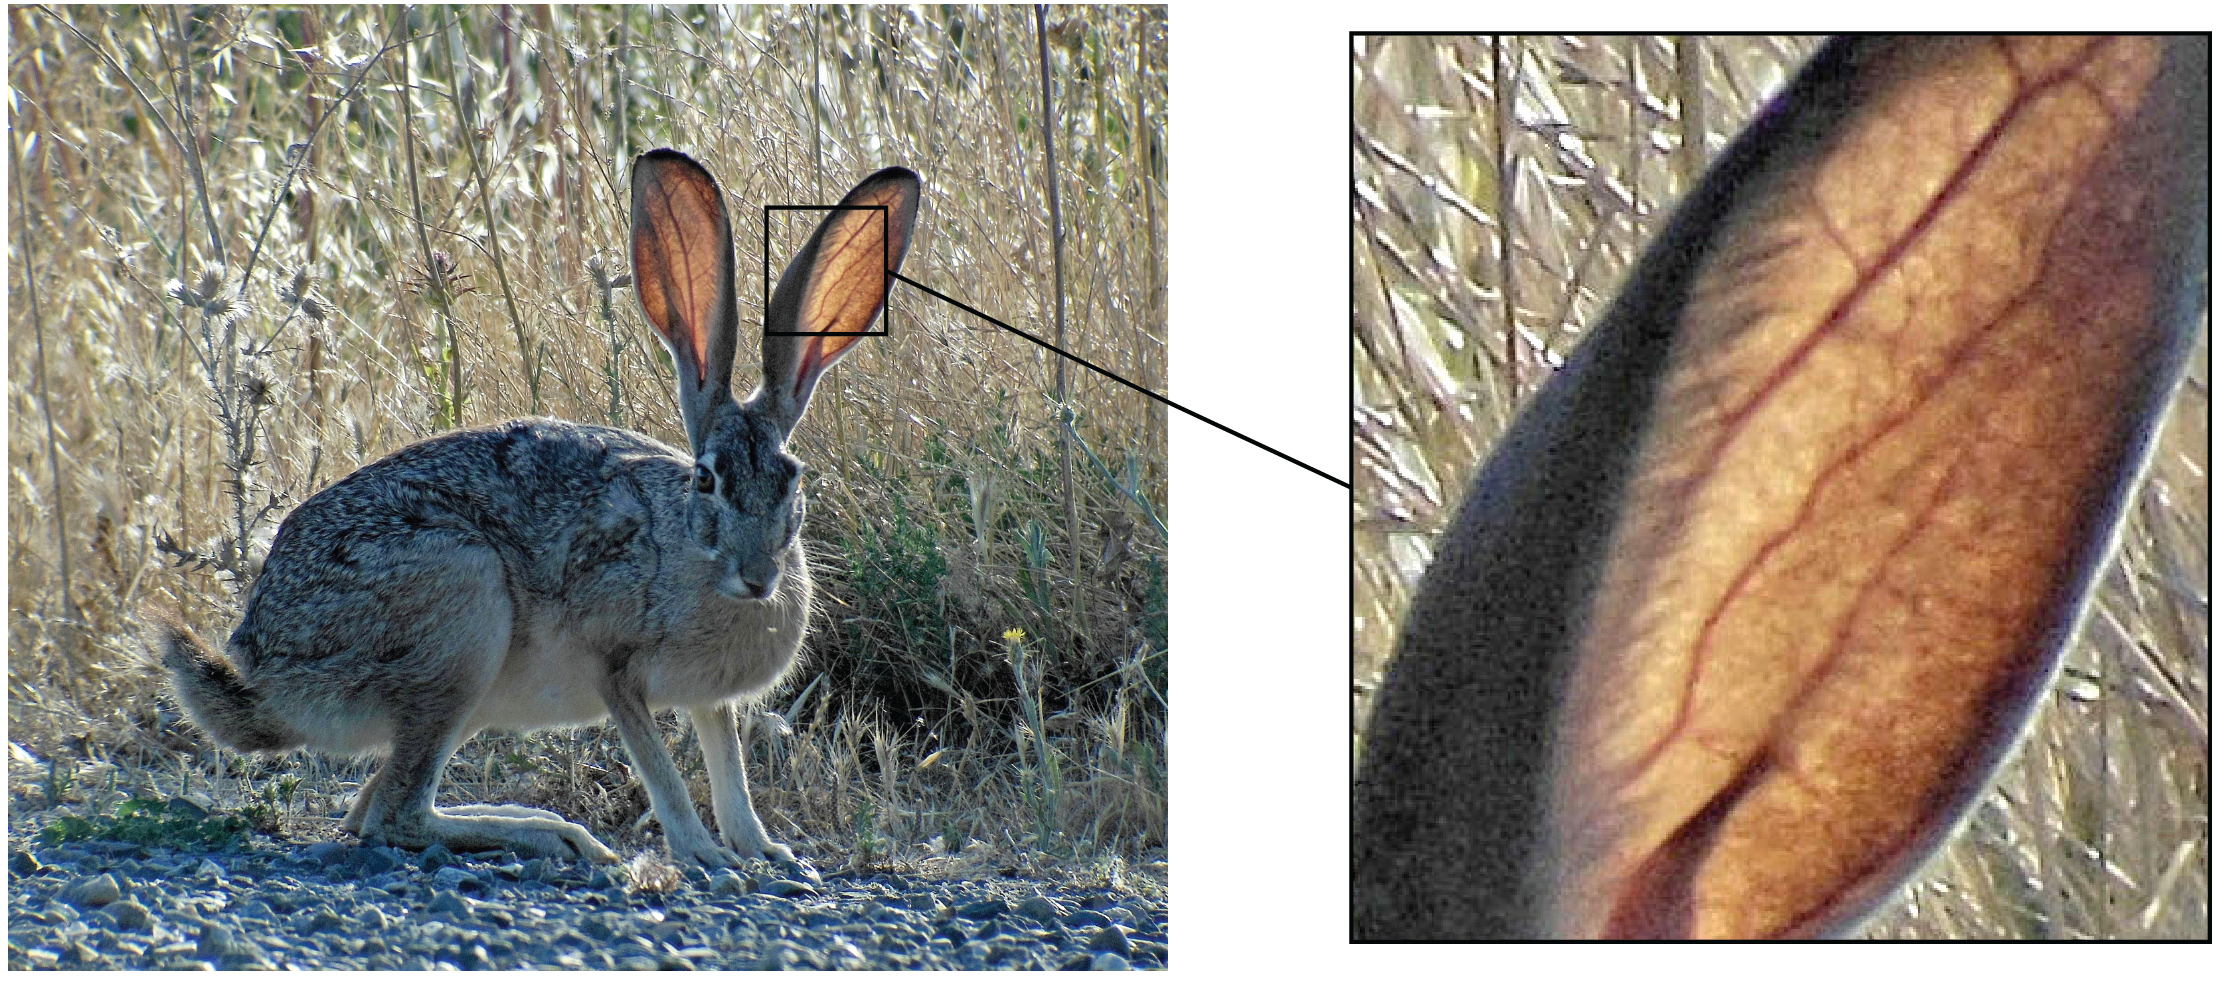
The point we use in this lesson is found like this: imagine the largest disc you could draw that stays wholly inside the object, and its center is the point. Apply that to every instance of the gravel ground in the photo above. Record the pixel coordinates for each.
(276, 904)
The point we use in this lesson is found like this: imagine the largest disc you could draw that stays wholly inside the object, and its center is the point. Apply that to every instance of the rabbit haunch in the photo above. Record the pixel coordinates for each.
(539, 572)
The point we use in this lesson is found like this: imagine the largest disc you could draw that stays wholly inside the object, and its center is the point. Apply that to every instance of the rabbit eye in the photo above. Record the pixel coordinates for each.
(704, 482)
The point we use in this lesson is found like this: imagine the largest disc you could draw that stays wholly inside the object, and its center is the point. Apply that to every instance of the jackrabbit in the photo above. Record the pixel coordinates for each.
(1749, 604)
(538, 572)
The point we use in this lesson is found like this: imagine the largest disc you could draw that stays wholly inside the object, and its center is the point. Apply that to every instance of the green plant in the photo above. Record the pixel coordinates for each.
(152, 823)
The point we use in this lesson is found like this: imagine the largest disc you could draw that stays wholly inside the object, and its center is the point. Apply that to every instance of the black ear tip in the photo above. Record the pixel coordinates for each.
(894, 174)
(665, 156)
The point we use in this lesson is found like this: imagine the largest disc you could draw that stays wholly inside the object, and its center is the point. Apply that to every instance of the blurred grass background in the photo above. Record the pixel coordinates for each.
(1501, 188)
(253, 249)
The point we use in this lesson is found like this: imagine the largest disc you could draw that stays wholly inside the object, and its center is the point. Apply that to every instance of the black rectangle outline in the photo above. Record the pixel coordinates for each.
(887, 311)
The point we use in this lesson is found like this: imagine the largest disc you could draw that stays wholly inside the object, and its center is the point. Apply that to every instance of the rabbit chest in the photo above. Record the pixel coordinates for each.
(610, 586)
(696, 651)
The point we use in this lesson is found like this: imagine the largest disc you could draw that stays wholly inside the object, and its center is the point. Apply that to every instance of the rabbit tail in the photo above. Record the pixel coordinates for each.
(218, 698)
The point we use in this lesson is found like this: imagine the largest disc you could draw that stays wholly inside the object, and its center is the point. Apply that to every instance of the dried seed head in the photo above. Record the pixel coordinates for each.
(212, 280)
(177, 291)
(602, 278)
(301, 283)
(314, 309)
(257, 390)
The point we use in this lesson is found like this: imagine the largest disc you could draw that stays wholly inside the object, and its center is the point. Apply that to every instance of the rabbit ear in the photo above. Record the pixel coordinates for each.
(837, 282)
(683, 272)
(1747, 607)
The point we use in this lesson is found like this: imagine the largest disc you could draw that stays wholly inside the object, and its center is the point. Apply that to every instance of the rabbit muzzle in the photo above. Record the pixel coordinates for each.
(743, 570)
(750, 586)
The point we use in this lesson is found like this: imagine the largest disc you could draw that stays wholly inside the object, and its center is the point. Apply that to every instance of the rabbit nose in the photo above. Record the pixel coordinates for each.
(750, 587)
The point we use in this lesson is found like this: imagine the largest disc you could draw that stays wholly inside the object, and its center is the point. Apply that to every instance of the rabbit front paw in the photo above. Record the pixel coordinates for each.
(711, 856)
(702, 850)
(797, 868)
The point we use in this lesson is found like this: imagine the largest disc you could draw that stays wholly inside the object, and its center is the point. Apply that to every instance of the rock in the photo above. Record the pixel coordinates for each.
(727, 884)
(448, 902)
(785, 956)
(77, 954)
(983, 909)
(435, 858)
(129, 914)
(358, 862)
(191, 806)
(219, 946)
(1111, 939)
(787, 888)
(1087, 917)
(475, 958)
(1041, 909)
(318, 920)
(92, 893)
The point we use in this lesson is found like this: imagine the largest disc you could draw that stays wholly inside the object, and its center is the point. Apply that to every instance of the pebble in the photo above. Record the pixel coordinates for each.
(1041, 909)
(324, 906)
(92, 893)
(1111, 940)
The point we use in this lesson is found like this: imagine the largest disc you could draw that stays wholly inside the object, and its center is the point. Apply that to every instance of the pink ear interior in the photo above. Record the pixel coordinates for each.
(680, 239)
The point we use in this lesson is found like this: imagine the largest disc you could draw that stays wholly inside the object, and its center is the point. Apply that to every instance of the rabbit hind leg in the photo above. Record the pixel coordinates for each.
(354, 822)
(458, 653)
(397, 808)
(501, 810)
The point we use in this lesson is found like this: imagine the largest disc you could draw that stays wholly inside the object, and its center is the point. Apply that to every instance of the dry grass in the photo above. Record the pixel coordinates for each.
(2099, 828)
(988, 668)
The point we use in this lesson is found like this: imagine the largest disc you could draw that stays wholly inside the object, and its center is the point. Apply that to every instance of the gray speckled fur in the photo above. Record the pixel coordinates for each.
(539, 573)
